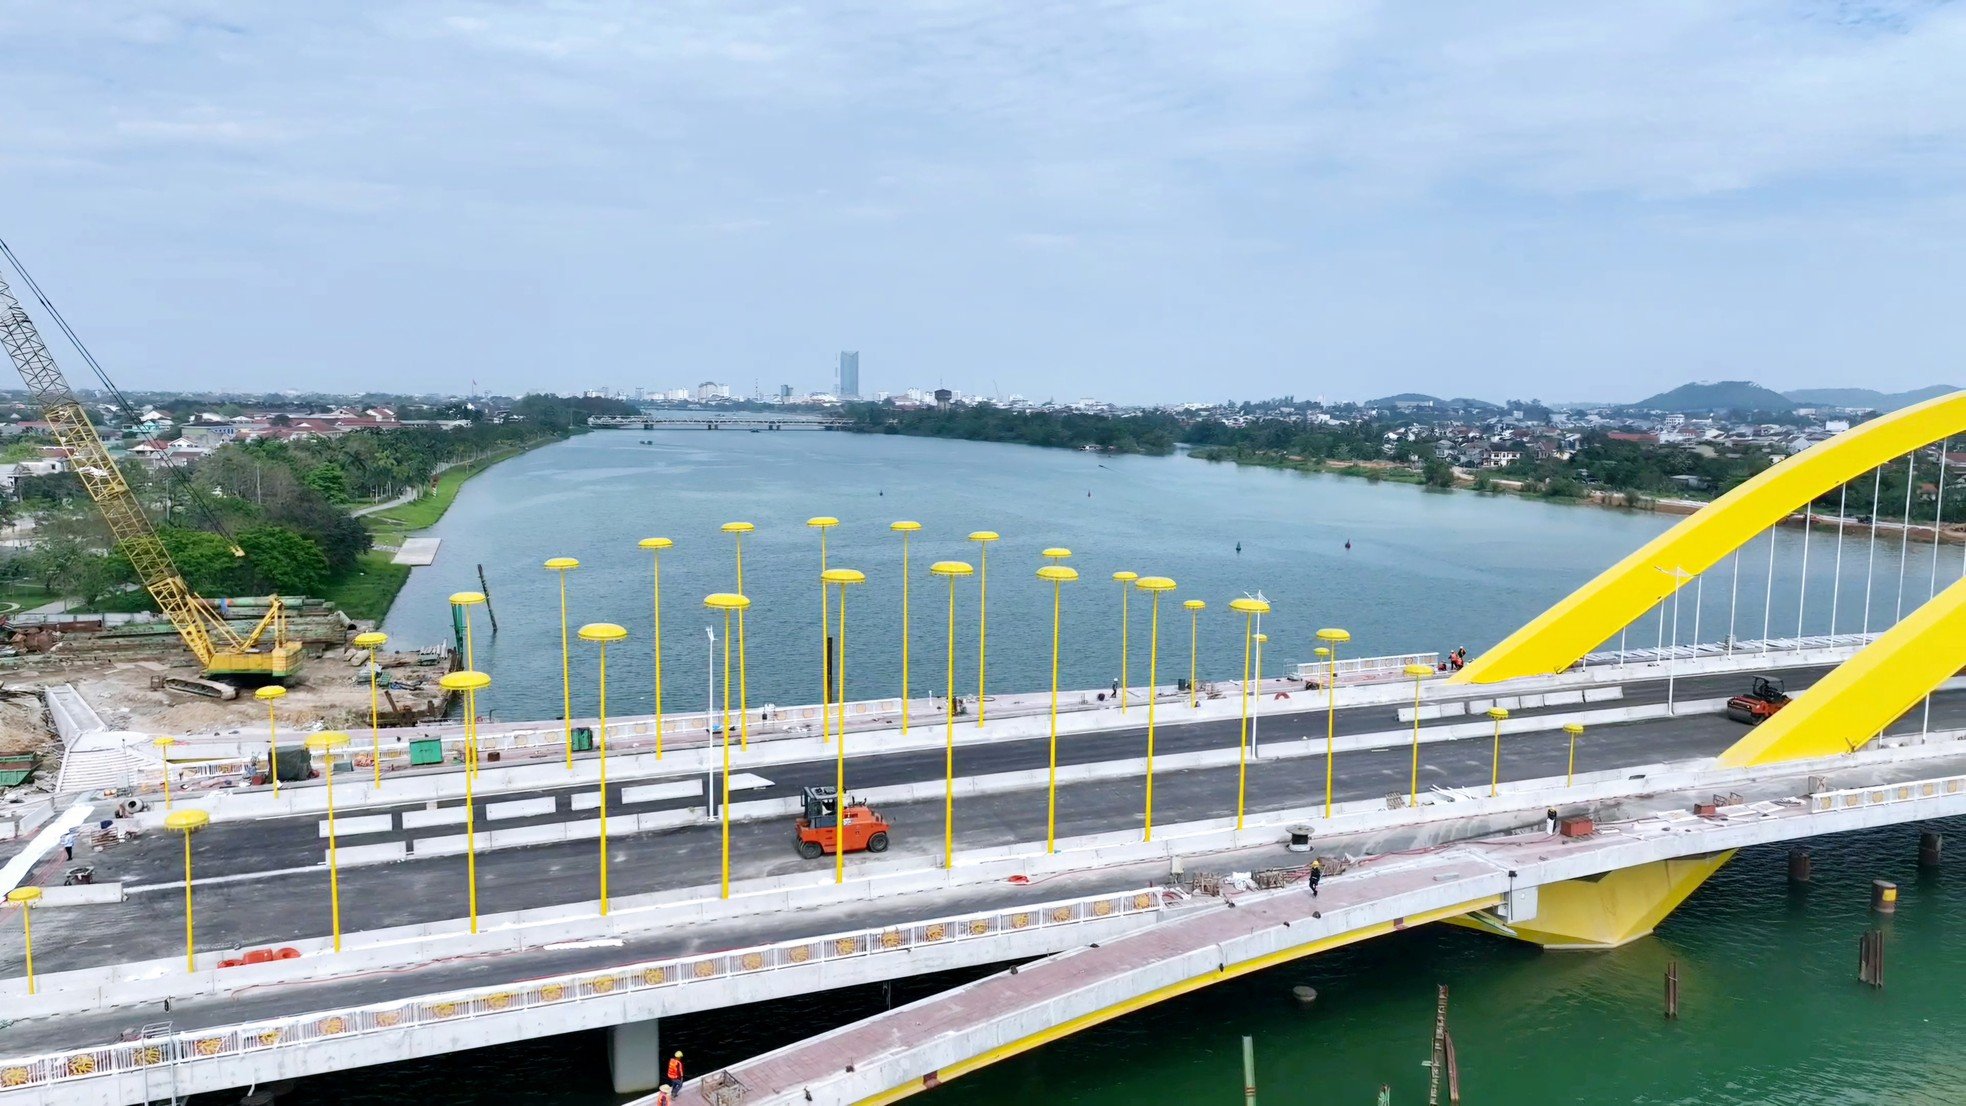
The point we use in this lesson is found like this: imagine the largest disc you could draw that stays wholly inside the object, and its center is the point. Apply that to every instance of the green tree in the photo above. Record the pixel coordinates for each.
(330, 480)
(1437, 473)
(205, 561)
(284, 561)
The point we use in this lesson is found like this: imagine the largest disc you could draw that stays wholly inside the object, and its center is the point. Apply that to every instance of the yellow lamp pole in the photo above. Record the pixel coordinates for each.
(470, 683)
(737, 530)
(1335, 638)
(1248, 608)
(164, 762)
(561, 566)
(1495, 770)
(1194, 608)
(982, 538)
(727, 603)
(655, 546)
(950, 571)
(1419, 672)
(372, 641)
(603, 634)
(1154, 585)
(821, 523)
(1057, 554)
(187, 822)
(461, 604)
(841, 578)
(1575, 730)
(271, 694)
(326, 744)
(1059, 576)
(907, 530)
(25, 898)
(1125, 581)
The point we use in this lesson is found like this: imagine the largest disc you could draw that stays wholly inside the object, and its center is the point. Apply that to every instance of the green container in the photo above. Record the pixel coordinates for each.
(15, 769)
(427, 750)
(295, 763)
(583, 739)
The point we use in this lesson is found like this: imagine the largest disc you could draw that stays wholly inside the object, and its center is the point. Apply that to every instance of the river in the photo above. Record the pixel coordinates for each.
(1772, 1012)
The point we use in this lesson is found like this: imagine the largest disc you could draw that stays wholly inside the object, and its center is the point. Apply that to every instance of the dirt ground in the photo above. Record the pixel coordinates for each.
(332, 692)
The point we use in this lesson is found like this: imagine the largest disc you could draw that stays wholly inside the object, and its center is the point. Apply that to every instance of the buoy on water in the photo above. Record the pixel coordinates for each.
(1304, 994)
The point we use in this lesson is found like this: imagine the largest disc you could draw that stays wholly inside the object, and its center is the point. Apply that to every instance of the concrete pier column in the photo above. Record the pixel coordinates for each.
(1928, 849)
(1883, 896)
(1798, 865)
(635, 1056)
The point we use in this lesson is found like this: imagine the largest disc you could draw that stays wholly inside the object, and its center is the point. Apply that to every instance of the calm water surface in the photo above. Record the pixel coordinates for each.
(1771, 1009)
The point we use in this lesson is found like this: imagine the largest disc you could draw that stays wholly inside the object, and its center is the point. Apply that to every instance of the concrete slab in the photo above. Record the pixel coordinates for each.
(417, 551)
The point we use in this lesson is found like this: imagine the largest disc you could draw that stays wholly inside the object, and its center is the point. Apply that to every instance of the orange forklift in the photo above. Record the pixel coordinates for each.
(1763, 699)
(818, 832)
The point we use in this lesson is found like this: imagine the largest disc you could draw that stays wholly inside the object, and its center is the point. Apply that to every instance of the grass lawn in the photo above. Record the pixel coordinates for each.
(29, 596)
(367, 592)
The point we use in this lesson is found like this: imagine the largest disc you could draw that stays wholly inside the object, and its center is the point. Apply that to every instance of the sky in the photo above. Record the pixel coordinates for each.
(1139, 201)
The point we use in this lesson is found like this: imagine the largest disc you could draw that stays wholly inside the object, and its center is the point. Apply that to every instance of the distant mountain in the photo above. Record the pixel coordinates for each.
(1421, 399)
(1866, 398)
(1723, 395)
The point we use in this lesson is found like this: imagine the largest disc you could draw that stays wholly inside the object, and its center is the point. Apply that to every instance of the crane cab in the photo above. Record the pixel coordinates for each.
(824, 827)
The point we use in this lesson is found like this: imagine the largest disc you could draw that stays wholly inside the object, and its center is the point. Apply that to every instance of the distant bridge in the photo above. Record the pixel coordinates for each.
(718, 420)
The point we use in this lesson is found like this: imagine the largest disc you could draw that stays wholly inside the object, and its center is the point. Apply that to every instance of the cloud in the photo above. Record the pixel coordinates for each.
(1301, 191)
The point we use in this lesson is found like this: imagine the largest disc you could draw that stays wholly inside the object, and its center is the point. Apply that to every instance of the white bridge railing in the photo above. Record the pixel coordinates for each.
(1883, 794)
(218, 1043)
(1361, 669)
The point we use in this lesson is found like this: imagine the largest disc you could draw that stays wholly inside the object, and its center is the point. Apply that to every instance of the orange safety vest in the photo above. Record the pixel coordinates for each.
(675, 1070)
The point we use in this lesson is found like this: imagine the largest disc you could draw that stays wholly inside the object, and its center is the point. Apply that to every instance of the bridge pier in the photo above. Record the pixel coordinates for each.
(1602, 912)
(1928, 849)
(635, 1056)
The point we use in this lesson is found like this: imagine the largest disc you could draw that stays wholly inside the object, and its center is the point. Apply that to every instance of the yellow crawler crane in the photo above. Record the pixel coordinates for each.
(222, 651)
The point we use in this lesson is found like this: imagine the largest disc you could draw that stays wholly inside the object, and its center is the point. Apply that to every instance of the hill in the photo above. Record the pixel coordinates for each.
(1723, 395)
(1866, 398)
(1421, 399)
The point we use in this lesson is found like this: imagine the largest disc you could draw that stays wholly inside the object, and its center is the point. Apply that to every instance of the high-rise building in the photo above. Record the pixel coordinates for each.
(849, 374)
(784, 392)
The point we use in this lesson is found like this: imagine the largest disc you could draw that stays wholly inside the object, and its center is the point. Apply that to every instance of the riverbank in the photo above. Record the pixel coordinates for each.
(1486, 484)
(367, 593)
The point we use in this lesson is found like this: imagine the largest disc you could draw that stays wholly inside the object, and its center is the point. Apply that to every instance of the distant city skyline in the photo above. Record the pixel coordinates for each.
(1141, 201)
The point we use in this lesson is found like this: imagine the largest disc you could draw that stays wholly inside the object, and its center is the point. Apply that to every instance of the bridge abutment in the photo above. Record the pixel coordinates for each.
(1602, 912)
(635, 1056)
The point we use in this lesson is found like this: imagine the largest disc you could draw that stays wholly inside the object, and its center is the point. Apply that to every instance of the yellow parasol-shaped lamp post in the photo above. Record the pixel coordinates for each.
(737, 530)
(1248, 608)
(950, 571)
(1500, 715)
(603, 634)
(271, 694)
(372, 641)
(1153, 585)
(25, 898)
(982, 538)
(727, 603)
(841, 578)
(1333, 638)
(461, 604)
(187, 822)
(561, 566)
(1419, 672)
(327, 744)
(1057, 554)
(469, 683)
(164, 762)
(1575, 730)
(1194, 608)
(1059, 576)
(907, 530)
(655, 546)
(1125, 581)
(821, 523)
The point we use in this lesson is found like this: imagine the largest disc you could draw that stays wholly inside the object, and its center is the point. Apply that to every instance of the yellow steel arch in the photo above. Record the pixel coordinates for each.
(1864, 694)
(1555, 639)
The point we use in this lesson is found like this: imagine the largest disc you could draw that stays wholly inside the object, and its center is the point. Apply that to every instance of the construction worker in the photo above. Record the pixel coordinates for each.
(663, 1097)
(676, 1069)
(1316, 876)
